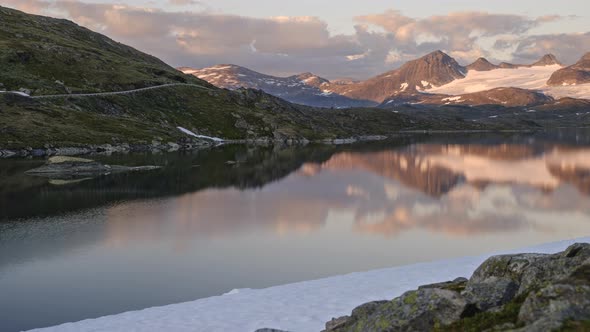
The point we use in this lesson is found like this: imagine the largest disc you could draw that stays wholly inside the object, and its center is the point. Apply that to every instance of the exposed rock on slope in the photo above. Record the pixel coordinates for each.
(525, 292)
(502, 96)
(578, 73)
(507, 97)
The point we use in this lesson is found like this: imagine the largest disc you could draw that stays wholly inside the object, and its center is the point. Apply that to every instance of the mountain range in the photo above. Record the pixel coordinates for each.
(305, 88)
(435, 78)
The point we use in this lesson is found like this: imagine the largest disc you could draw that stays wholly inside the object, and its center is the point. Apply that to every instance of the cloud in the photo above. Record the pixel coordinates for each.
(285, 45)
(29, 6)
(183, 2)
(567, 47)
(457, 33)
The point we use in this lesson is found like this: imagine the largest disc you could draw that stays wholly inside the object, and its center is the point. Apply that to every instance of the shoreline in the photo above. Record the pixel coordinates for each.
(302, 306)
(48, 150)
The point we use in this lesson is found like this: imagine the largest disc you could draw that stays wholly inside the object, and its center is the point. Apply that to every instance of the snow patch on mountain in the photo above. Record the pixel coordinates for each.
(190, 133)
(531, 78)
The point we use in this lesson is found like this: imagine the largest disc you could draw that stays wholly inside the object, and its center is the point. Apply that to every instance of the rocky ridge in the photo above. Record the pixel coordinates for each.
(578, 73)
(434, 69)
(523, 292)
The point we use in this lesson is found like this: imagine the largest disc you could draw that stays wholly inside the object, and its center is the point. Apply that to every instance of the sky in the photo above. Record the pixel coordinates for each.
(331, 38)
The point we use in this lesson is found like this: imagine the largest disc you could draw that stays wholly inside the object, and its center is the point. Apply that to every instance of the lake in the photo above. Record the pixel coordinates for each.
(198, 227)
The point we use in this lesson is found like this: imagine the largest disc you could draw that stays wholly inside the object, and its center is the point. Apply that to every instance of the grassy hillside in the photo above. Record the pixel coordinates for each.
(143, 117)
(52, 56)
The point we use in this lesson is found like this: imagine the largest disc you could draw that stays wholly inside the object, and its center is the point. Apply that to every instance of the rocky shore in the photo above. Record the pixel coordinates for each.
(51, 150)
(63, 167)
(158, 146)
(523, 292)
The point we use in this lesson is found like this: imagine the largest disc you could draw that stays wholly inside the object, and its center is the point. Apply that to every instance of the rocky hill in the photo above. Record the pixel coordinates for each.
(306, 89)
(481, 64)
(525, 292)
(578, 73)
(434, 69)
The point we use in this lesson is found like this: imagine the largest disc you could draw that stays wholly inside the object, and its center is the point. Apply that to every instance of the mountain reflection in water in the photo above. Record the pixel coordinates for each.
(455, 189)
(200, 227)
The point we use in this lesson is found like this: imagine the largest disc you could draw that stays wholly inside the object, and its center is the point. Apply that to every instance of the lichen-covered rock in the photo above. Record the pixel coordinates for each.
(555, 267)
(525, 292)
(490, 293)
(455, 285)
(419, 310)
(553, 305)
(505, 267)
(499, 279)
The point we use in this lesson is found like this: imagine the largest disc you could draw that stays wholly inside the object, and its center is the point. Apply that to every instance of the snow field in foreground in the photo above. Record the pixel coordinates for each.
(299, 307)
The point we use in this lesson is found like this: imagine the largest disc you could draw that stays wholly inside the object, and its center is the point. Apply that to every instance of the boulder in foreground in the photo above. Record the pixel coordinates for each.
(524, 292)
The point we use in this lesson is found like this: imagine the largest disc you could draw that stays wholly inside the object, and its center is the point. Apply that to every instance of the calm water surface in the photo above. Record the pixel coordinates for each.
(71, 250)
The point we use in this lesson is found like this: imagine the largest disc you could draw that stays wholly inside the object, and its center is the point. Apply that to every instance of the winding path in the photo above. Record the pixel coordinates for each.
(111, 93)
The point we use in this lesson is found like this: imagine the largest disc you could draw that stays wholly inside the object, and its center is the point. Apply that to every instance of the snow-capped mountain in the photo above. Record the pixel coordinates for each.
(435, 78)
(306, 88)
(434, 69)
(541, 76)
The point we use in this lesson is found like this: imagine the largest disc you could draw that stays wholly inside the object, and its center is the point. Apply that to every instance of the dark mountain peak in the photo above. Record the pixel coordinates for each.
(433, 60)
(434, 69)
(584, 62)
(547, 60)
(437, 55)
(481, 64)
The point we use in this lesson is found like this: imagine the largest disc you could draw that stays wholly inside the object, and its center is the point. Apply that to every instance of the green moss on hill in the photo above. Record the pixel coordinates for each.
(37, 51)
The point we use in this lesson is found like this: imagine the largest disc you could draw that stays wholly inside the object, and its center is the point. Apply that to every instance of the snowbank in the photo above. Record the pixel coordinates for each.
(16, 93)
(188, 132)
(304, 306)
